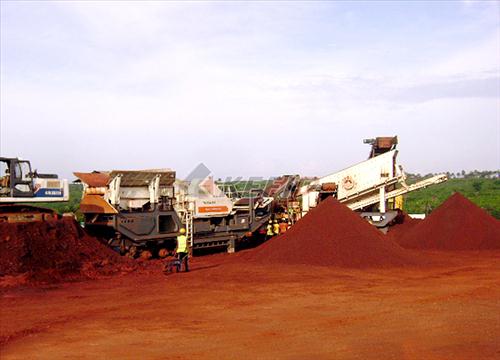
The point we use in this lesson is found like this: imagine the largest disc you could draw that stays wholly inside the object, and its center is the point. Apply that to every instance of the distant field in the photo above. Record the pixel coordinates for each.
(483, 192)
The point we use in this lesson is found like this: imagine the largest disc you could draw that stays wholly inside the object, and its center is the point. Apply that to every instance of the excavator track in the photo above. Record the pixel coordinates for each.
(18, 213)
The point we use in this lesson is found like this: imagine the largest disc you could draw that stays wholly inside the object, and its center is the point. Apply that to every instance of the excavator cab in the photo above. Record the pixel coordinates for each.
(17, 179)
(18, 183)
(4, 178)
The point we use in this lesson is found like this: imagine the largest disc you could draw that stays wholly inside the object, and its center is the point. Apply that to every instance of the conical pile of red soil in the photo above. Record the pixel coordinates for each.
(402, 226)
(54, 250)
(458, 224)
(333, 235)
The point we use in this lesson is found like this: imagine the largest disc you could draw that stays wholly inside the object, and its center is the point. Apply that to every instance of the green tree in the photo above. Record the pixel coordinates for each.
(477, 186)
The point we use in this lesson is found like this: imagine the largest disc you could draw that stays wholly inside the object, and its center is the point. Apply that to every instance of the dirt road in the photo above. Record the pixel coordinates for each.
(227, 309)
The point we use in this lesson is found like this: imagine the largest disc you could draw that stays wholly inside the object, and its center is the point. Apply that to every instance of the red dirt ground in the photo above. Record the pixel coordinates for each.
(226, 308)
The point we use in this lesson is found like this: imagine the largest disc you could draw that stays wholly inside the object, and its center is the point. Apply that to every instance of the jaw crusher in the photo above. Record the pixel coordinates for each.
(131, 209)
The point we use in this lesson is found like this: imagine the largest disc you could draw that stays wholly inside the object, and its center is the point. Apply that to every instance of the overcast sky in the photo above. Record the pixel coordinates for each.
(249, 88)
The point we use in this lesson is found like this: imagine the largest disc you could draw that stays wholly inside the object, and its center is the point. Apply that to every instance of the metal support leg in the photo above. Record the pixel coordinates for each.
(231, 247)
(382, 200)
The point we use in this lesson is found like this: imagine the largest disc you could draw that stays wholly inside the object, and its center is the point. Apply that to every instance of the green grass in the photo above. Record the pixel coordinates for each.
(483, 192)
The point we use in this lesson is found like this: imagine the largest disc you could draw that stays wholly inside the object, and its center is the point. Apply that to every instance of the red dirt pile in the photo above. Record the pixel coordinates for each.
(333, 235)
(52, 251)
(458, 224)
(403, 225)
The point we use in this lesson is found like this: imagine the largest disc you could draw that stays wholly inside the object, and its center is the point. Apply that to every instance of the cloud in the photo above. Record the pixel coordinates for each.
(476, 88)
(477, 60)
(248, 89)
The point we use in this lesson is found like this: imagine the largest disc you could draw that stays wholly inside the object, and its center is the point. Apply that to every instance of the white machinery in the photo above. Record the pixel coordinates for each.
(366, 186)
(19, 184)
(147, 208)
(131, 209)
(214, 219)
(144, 210)
(203, 198)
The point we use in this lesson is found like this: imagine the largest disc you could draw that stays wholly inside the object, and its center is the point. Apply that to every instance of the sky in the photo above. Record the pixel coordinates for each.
(249, 88)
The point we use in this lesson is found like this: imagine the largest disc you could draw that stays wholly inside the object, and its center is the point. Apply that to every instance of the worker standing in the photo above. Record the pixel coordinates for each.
(276, 227)
(283, 226)
(182, 250)
(269, 232)
(5, 181)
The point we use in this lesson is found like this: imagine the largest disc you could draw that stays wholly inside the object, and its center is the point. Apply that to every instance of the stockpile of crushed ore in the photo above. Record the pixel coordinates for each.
(332, 234)
(52, 251)
(403, 224)
(458, 224)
